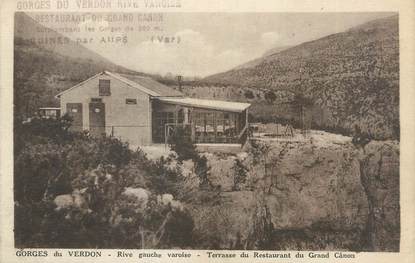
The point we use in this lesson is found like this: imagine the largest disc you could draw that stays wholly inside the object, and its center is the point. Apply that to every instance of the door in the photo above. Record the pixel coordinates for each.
(160, 119)
(97, 118)
(74, 111)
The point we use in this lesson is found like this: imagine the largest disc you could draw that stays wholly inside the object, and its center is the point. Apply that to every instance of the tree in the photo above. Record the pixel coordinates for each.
(27, 93)
(270, 96)
(182, 144)
(302, 103)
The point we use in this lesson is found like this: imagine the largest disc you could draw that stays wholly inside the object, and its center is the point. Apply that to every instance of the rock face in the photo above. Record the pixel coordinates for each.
(310, 194)
(222, 219)
(379, 171)
(221, 171)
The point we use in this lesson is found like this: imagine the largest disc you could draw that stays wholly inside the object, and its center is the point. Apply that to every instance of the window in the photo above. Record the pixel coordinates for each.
(104, 87)
(96, 100)
(130, 101)
(214, 126)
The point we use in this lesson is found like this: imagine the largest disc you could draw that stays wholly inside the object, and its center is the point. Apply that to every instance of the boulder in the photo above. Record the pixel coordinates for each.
(221, 173)
(140, 194)
(70, 200)
(168, 199)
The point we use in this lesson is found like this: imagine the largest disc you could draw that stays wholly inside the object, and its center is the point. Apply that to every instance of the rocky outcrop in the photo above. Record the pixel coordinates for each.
(379, 171)
(221, 172)
(307, 194)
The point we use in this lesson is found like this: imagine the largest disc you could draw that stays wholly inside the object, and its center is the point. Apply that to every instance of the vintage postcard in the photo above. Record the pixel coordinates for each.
(169, 130)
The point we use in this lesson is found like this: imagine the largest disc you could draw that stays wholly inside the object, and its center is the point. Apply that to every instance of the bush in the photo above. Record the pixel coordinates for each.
(181, 143)
(241, 173)
(258, 149)
(40, 170)
(202, 171)
(270, 96)
(163, 179)
(360, 139)
(179, 230)
(51, 161)
(107, 219)
(249, 95)
(42, 131)
(113, 151)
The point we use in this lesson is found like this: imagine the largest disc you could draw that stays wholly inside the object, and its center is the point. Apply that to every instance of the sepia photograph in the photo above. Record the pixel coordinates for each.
(220, 131)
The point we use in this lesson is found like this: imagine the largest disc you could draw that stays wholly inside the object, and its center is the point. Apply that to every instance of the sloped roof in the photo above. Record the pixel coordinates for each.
(49, 108)
(142, 83)
(207, 104)
(148, 83)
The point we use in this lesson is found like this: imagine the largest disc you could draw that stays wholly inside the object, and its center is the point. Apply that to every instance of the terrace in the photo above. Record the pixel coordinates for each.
(204, 121)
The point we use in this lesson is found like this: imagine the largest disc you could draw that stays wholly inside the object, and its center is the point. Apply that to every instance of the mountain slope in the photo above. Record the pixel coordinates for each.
(352, 76)
(257, 61)
(28, 29)
(43, 69)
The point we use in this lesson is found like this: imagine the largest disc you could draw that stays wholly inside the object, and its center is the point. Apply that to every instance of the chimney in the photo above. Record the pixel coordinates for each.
(179, 82)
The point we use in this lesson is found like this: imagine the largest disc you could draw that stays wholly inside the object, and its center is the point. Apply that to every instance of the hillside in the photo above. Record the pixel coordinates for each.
(267, 55)
(41, 70)
(352, 77)
(28, 29)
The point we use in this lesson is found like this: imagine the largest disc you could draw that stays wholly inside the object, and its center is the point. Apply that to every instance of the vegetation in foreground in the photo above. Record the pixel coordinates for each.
(70, 192)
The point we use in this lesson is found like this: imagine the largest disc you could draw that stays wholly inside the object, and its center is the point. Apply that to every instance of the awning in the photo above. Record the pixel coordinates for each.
(207, 104)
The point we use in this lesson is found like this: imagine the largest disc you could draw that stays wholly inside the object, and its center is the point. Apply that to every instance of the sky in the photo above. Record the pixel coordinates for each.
(200, 44)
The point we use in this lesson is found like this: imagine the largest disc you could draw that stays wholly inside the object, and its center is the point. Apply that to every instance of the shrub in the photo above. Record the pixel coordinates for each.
(258, 150)
(38, 170)
(181, 143)
(249, 95)
(51, 161)
(163, 179)
(179, 230)
(113, 151)
(41, 131)
(360, 139)
(240, 174)
(270, 96)
(202, 171)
